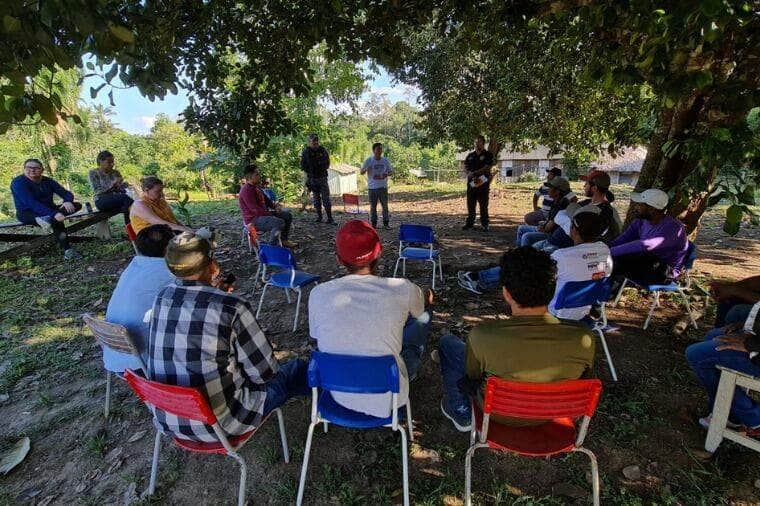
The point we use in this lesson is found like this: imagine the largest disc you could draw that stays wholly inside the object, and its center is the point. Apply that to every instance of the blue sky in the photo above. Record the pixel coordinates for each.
(136, 114)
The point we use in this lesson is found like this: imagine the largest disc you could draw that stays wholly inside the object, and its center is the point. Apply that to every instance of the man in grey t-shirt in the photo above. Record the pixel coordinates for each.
(377, 168)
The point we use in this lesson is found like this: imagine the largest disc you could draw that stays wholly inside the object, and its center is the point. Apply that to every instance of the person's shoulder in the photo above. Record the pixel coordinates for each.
(94, 172)
(18, 180)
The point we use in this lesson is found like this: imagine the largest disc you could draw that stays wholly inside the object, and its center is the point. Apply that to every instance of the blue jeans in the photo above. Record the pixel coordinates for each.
(524, 229)
(703, 359)
(730, 312)
(545, 246)
(528, 234)
(415, 338)
(489, 278)
(289, 381)
(451, 351)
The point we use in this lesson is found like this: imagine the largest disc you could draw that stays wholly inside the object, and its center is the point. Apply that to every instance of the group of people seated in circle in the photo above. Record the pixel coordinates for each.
(192, 329)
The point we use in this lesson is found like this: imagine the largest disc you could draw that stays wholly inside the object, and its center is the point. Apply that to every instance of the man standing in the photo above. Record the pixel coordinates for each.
(33, 197)
(653, 248)
(541, 213)
(207, 338)
(378, 168)
(314, 162)
(257, 208)
(365, 314)
(478, 166)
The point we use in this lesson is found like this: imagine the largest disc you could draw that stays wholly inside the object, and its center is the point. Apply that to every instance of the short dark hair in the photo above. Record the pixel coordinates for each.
(313, 137)
(589, 226)
(103, 155)
(149, 182)
(480, 138)
(251, 168)
(529, 275)
(153, 240)
(377, 144)
(35, 160)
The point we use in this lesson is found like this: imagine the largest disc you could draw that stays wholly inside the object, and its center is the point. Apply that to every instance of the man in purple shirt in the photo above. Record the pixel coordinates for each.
(653, 248)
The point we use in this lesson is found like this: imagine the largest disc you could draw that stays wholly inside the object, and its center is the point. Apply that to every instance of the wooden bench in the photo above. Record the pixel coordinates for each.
(83, 220)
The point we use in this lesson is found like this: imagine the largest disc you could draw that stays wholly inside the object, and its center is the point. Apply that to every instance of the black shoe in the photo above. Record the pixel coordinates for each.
(386, 226)
(319, 219)
(467, 227)
(485, 228)
(331, 221)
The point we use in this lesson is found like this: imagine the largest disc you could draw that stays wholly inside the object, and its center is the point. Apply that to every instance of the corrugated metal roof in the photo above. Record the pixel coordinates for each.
(630, 160)
(344, 168)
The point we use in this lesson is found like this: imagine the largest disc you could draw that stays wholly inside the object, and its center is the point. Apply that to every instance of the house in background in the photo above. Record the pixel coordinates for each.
(341, 178)
(625, 167)
(513, 164)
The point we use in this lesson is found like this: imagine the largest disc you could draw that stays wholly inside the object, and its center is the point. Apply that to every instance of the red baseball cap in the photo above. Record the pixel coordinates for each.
(598, 177)
(357, 243)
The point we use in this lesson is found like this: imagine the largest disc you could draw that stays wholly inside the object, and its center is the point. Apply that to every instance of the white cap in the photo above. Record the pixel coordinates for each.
(652, 197)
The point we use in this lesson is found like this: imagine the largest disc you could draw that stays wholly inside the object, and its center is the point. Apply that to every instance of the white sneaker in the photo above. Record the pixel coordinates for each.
(435, 357)
(464, 280)
(705, 422)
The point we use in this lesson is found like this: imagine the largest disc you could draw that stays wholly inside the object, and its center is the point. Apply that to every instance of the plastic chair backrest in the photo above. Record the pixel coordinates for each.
(184, 402)
(276, 256)
(111, 335)
(353, 373)
(270, 193)
(416, 233)
(349, 198)
(542, 401)
(691, 256)
(583, 293)
(130, 232)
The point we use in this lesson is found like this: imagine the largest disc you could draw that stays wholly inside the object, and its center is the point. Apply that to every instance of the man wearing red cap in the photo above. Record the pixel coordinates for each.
(365, 314)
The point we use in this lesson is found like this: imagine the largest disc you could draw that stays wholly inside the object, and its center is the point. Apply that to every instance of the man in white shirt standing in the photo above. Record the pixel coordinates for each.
(378, 168)
(589, 259)
(364, 314)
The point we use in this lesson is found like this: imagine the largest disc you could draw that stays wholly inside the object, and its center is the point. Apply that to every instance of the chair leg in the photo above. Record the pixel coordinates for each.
(468, 472)
(108, 394)
(435, 274)
(440, 268)
(243, 473)
(405, 466)
(287, 295)
(655, 304)
(283, 436)
(298, 306)
(324, 427)
(403, 267)
(305, 465)
(688, 307)
(256, 280)
(607, 354)
(594, 472)
(620, 292)
(261, 300)
(409, 420)
(395, 269)
(724, 397)
(154, 465)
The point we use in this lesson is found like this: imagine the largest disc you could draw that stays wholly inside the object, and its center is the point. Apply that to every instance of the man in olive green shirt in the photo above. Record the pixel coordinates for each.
(532, 346)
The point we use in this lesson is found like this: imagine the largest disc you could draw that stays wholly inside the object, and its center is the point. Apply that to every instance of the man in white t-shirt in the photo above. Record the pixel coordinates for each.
(589, 259)
(378, 168)
(364, 314)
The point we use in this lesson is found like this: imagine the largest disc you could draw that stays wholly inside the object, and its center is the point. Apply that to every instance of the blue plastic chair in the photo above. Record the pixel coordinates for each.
(417, 234)
(329, 372)
(289, 278)
(672, 287)
(270, 193)
(588, 293)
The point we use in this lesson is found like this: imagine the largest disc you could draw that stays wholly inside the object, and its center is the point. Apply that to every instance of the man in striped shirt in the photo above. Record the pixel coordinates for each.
(204, 337)
(541, 212)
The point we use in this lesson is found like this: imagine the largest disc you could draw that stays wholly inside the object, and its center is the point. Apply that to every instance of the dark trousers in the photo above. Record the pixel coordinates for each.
(119, 202)
(321, 192)
(59, 229)
(645, 268)
(478, 196)
(375, 195)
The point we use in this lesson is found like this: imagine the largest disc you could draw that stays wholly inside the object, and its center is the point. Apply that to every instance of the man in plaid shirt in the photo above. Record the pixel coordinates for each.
(203, 337)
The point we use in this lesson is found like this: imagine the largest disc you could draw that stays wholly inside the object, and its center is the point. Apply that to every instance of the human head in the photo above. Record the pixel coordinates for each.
(357, 246)
(597, 183)
(33, 169)
(480, 142)
(528, 277)
(153, 240)
(587, 224)
(188, 256)
(377, 149)
(552, 173)
(105, 160)
(558, 186)
(251, 174)
(313, 141)
(152, 187)
(650, 203)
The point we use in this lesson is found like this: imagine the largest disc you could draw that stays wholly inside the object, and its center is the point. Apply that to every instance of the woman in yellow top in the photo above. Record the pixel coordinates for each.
(152, 208)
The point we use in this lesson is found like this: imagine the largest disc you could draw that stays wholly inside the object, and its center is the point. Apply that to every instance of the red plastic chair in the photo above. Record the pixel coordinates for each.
(190, 403)
(349, 199)
(561, 404)
(131, 235)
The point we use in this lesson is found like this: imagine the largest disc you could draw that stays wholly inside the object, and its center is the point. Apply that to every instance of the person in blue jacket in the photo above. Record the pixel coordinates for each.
(33, 197)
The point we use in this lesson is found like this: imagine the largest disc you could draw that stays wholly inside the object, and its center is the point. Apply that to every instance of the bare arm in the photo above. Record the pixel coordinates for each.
(141, 210)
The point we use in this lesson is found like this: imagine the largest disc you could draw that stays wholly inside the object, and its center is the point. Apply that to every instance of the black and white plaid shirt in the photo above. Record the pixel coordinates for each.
(203, 337)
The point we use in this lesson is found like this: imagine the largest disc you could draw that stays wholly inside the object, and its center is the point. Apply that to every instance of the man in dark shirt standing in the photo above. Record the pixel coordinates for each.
(314, 162)
(478, 165)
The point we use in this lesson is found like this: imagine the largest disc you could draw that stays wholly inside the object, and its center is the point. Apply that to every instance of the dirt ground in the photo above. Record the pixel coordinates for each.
(51, 373)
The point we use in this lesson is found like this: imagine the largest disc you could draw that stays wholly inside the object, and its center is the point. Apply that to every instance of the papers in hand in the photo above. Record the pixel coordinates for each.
(478, 181)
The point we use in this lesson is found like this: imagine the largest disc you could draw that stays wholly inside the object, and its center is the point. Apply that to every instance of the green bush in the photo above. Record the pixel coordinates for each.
(527, 177)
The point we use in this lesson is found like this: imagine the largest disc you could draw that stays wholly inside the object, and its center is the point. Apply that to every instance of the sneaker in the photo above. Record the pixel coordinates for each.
(705, 422)
(45, 223)
(464, 280)
(467, 226)
(72, 254)
(462, 422)
(435, 357)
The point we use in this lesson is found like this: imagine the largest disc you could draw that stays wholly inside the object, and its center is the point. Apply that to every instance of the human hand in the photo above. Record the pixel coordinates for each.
(429, 297)
(69, 207)
(737, 342)
(59, 217)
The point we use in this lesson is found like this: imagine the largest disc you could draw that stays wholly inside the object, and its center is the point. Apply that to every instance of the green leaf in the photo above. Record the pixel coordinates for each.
(716, 198)
(733, 220)
(703, 79)
(721, 134)
(112, 72)
(11, 24)
(45, 108)
(94, 91)
(753, 119)
(748, 195)
(122, 33)
(110, 99)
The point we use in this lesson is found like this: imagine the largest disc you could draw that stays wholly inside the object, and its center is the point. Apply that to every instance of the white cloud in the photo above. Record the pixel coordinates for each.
(148, 121)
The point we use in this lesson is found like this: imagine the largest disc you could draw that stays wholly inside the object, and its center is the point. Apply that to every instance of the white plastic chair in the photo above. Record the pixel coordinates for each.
(730, 380)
